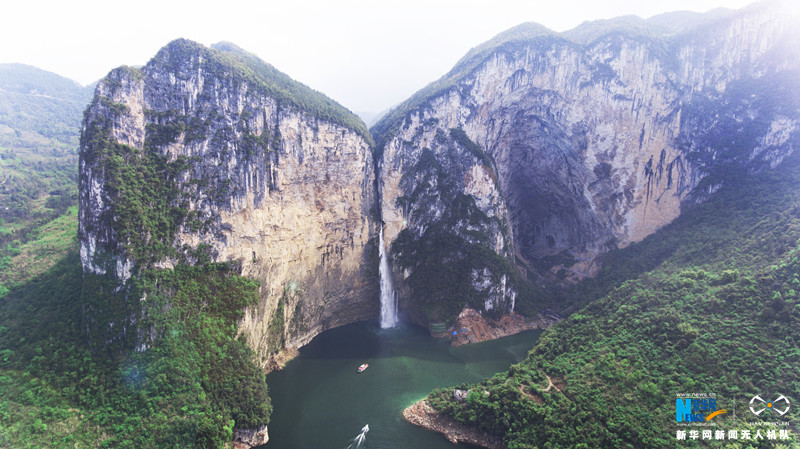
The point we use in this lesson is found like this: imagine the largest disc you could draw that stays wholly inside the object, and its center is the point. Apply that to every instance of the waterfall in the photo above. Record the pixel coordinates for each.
(388, 298)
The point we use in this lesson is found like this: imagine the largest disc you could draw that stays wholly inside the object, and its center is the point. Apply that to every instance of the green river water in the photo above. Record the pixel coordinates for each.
(320, 402)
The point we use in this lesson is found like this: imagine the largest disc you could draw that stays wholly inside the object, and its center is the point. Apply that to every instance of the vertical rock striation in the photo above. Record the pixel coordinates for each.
(446, 219)
(598, 136)
(211, 154)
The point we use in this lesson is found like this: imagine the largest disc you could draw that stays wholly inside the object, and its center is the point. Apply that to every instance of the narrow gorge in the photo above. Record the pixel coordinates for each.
(504, 181)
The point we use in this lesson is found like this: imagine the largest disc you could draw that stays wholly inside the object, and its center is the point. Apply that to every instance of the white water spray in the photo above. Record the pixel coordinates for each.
(388, 298)
(359, 440)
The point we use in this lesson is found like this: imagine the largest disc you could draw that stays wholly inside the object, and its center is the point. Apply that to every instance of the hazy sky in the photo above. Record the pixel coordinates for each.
(367, 55)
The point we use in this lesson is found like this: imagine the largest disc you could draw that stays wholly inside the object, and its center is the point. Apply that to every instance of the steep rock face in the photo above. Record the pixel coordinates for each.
(451, 237)
(207, 154)
(601, 135)
(247, 438)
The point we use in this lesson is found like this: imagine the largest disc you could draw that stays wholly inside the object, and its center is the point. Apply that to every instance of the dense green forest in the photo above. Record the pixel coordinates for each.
(707, 304)
(84, 363)
(81, 363)
(194, 382)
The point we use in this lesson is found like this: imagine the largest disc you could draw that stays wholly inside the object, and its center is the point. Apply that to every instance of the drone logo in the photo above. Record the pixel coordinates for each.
(758, 405)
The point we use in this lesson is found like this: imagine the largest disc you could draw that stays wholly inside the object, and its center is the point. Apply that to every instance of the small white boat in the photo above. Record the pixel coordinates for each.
(362, 368)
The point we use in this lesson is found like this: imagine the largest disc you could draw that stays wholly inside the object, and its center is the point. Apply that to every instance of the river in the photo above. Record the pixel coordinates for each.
(320, 402)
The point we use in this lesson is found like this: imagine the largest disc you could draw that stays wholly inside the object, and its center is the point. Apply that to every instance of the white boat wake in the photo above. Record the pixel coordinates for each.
(359, 440)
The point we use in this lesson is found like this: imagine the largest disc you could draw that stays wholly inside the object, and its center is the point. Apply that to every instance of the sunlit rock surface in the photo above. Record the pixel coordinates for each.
(601, 135)
(284, 192)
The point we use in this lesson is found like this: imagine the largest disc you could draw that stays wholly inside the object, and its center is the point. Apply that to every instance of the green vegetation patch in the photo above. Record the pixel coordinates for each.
(144, 200)
(145, 207)
(49, 243)
(40, 115)
(38, 195)
(443, 263)
(191, 381)
(33, 414)
(711, 305)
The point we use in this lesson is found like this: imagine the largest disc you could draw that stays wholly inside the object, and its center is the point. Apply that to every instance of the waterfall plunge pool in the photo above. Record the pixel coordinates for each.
(320, 402)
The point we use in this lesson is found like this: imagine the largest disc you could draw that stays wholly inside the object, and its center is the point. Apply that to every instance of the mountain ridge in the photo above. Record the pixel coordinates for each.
(228, 215)
(248, 67)
(596, 146)
(199, 155)
(582, 34)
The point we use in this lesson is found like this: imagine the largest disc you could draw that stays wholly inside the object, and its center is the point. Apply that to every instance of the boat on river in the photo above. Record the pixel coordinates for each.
(362, 368)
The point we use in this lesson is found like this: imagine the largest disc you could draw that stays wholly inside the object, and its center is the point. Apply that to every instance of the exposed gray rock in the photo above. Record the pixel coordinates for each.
(442, 208)
(280, 183)
(460, 395)
(248, 438)
(602, 135)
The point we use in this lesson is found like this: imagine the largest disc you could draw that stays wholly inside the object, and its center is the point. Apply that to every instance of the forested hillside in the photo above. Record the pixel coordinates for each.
(637, 180)
(707, 304)
(186, 391)
(40, 115)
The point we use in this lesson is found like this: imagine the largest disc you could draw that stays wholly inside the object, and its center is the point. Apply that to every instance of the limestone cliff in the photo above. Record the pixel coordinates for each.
(211, 154)
(599, 136)
(443, 211)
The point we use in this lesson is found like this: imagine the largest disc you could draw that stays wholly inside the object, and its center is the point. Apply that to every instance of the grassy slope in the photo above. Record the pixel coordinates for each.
(35, 190)
(40, 114)
(51, 242)
(711, 306)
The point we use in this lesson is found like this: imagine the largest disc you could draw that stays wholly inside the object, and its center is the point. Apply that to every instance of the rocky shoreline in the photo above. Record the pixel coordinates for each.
(278, 360)
(250, 438)
(423, 415)
(472, 327)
